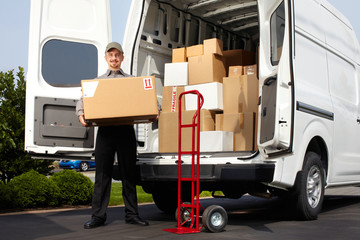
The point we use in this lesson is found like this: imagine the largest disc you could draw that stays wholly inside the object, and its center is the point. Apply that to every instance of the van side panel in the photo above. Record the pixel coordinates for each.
(344, 90)
(327, 89)
(311, 86)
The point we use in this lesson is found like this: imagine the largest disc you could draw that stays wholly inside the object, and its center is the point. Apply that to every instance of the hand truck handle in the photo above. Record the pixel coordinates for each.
(200, 101)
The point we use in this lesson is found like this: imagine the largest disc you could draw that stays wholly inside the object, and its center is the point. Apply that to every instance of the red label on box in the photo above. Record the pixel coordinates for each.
(147, 83)
(173, 100)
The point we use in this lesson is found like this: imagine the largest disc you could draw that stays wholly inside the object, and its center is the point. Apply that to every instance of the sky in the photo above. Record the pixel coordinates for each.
(14, 28)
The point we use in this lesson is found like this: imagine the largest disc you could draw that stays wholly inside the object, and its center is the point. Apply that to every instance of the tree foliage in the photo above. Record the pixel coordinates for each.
(13, 159)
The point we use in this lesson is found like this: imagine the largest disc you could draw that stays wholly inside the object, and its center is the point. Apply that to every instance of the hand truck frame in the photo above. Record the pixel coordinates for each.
(214, 217)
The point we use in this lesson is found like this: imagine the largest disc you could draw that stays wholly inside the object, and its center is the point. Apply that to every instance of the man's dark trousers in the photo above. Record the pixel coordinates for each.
(110, 140)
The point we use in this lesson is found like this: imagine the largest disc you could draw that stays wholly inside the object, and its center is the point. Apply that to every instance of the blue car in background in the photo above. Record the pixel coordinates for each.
(77, 164)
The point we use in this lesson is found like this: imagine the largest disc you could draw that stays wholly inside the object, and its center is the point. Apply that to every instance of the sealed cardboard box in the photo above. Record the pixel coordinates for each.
(176, 74)
(119, 100)
(170, 99)
(206, 68)
(233, 95)
(179, 55)
(213, 45)
(216, 141)
(238, 57)
(169, 132)
(219, 122)
(235, 71)
(249, 70)
(212, 93)
(195, 50)
(241, 94)
(242, 125)
(250, 86)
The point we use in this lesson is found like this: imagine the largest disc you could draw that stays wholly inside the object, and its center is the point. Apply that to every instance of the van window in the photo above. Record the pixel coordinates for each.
(65, 64)
(277, 30)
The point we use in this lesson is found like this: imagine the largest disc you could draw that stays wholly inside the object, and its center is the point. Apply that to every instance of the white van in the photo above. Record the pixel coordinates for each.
(308, 70)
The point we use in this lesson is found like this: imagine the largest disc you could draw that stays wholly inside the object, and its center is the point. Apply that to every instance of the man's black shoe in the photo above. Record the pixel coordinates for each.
(93, 223)
(137, 220)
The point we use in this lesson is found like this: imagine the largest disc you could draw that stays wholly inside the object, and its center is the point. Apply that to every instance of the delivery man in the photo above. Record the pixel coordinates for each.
(110, 140)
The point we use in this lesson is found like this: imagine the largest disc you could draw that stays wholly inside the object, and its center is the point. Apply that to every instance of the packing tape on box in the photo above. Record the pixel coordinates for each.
(173, 100)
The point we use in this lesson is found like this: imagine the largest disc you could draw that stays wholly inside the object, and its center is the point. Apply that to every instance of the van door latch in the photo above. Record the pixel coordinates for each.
(270, 80)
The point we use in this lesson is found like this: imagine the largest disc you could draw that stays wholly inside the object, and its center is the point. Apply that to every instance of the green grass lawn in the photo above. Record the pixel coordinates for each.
(117, 199)
(143, 197)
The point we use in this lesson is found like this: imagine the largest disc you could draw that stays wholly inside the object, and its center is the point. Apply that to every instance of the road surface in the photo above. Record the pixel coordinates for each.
(249, 218)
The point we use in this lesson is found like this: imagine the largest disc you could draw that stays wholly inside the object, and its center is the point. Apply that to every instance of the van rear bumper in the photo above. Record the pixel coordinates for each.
(211, 173)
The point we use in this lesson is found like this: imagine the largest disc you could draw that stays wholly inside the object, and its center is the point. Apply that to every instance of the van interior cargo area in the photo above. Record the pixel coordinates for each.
(188, 22)
(173, 25)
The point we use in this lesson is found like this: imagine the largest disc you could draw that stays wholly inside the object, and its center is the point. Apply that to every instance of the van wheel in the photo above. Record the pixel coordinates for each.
(310, 186)
(166, 197)
(165, 202)
(84, 166)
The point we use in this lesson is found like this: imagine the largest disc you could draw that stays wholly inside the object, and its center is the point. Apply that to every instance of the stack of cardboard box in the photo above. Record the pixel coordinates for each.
(230, 98)
(240, 107)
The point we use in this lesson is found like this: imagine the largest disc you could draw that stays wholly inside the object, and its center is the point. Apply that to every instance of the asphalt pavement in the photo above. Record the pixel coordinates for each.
(249, 218)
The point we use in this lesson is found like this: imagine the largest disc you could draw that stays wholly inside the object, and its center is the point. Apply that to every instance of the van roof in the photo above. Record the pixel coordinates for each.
(335, 12)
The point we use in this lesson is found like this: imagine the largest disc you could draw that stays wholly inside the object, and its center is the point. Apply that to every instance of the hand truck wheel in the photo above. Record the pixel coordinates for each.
(185, 215)
(214, 218)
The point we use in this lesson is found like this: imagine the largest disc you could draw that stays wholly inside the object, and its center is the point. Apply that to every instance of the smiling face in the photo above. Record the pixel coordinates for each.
(114, 58)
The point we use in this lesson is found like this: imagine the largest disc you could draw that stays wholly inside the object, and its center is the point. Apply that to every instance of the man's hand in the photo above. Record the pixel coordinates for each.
(82, 120)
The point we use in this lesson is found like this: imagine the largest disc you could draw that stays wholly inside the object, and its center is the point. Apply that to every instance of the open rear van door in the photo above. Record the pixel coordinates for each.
(66, 43)
(276, 77)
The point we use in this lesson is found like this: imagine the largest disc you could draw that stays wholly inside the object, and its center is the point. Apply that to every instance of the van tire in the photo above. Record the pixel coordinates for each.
(166, 201)
(310, 188)
(165, 197)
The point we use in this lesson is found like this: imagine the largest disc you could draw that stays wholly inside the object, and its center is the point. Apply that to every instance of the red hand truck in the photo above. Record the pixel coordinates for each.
(215, 217)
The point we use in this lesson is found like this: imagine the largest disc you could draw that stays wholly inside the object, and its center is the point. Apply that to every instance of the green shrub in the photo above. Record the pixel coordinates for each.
(33, 189)
(75, 188)
(5, 196)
